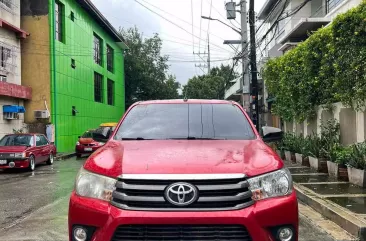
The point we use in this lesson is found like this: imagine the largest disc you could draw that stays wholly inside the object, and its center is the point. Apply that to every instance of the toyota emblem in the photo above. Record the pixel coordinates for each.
(181, 194)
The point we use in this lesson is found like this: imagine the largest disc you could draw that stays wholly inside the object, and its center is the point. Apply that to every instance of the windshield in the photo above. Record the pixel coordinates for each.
(17, 140)
(88, 134)
(185, 121)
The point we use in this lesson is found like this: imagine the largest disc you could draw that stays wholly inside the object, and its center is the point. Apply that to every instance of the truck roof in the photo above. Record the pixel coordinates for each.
(182, 101)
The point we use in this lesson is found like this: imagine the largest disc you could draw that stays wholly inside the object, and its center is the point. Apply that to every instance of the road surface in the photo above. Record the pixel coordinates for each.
(33, 206)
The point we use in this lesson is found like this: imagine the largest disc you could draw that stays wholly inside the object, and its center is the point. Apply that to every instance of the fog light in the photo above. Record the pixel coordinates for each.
(80, 234)
(12, 164)
(285, 234)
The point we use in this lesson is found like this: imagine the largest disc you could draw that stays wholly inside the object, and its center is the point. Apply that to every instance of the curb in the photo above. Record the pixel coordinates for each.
(347, 220)
(64, 156)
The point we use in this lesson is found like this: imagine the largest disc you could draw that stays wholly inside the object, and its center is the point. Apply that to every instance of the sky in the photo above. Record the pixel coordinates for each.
(175, 28)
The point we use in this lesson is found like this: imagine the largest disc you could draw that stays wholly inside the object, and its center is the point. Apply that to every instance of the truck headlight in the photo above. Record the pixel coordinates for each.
(274, 184)
(19, 155)
(94, 186)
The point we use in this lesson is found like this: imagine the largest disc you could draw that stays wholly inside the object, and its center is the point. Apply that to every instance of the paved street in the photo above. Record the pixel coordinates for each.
(33, 206)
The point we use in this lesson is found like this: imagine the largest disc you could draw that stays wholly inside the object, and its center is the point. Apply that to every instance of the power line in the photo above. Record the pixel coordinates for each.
(201, 24)
(178, 26)
(182, 20)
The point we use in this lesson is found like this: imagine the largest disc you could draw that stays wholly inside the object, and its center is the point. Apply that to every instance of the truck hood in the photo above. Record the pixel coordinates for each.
(12, 149)
(250, 157)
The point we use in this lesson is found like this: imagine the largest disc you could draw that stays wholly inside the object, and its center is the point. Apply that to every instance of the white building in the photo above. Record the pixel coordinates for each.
(285, 23)
(12, 93)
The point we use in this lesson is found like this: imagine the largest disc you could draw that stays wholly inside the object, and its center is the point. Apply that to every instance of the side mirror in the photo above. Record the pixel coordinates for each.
(79, 137)
(52, 143)
(271, 134)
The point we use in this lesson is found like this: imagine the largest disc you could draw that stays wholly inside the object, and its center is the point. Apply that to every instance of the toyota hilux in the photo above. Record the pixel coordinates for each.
(184, 170)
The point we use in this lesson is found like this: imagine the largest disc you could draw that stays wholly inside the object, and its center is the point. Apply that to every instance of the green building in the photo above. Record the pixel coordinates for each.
(73, 60)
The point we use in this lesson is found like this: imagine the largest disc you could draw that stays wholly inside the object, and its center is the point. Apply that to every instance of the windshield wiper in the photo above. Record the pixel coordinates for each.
(195, 138)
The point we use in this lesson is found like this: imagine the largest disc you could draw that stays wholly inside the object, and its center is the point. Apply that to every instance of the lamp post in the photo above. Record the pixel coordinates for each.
(215, 19)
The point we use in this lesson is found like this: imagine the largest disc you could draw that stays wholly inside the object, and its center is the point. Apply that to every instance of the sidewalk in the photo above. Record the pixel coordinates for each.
(339, 201)
(63, 156)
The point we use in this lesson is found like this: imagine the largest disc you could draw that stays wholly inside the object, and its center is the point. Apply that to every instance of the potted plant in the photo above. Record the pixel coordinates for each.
(338, 158)
(288, 143)
(330, 138)
(357, 164)
(306, 151)
(299, 145)
(314, 146)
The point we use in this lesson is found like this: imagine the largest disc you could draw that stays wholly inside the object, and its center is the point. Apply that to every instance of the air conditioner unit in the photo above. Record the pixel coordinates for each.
(41, 114)
(10, 116)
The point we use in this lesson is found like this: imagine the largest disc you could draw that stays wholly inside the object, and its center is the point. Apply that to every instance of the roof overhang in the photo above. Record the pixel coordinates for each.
(100, 19)
(18, 31)
(266, 9)
(122, 45)
(302, 28)
(287, 45)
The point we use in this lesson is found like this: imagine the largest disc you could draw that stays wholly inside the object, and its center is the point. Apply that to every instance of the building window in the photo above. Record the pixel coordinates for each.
(73, 63)
(110, 58)
(59, 21)
(98, 48)
(110, 92)
(3, 78)
(332, 4)
(7, 3)
(98, 88)
(72, 16)
(5, 55)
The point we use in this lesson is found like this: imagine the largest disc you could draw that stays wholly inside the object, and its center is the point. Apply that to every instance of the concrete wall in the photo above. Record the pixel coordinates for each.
(11, 13)
(343, 7)
(12, 66)
(36, 63)
(352, 123)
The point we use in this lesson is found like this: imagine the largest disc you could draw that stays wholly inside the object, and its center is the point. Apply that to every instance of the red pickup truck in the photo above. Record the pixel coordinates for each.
(184, 170)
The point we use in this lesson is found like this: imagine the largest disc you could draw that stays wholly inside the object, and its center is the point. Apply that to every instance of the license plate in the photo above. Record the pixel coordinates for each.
(3, 162)
(88, 149)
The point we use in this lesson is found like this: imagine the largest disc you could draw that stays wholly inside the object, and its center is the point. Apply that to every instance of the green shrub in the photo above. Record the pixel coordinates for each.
(343, 155)
(328, 67)
(358, 156)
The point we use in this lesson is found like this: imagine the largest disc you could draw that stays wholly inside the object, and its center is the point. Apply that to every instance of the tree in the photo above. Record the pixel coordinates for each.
(210, 86)
(146, 69)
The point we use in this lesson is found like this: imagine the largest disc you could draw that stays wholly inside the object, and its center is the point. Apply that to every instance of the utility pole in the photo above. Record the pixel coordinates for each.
(253, 64)
(208, 66)
(244, 84)
(209, 55)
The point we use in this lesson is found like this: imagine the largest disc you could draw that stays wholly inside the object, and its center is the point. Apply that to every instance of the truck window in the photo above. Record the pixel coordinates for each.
(175, 121)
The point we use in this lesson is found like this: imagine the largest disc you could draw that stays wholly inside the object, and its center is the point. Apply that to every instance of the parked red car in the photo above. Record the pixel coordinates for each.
(185, 170)
(88, 143)
(25, 151)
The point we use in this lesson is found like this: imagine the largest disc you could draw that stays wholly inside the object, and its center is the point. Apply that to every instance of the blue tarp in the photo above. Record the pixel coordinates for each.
(13, 109)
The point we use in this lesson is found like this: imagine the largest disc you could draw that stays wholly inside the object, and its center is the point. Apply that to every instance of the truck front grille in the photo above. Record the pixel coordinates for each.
(213, 194)
(181, 233)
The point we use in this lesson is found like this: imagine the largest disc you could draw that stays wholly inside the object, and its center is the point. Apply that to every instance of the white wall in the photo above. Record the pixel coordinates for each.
(7, 126)
(11, 14)
(352, 123)
(343, 7)
(12, 69)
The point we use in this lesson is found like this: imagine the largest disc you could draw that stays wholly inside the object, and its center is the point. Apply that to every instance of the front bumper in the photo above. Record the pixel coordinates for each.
(80, 149)
(19, 163)
(258, 218)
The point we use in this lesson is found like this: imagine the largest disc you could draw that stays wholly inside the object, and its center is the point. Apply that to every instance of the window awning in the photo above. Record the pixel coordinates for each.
(20, 33)
(13, 109)
(301, 30)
